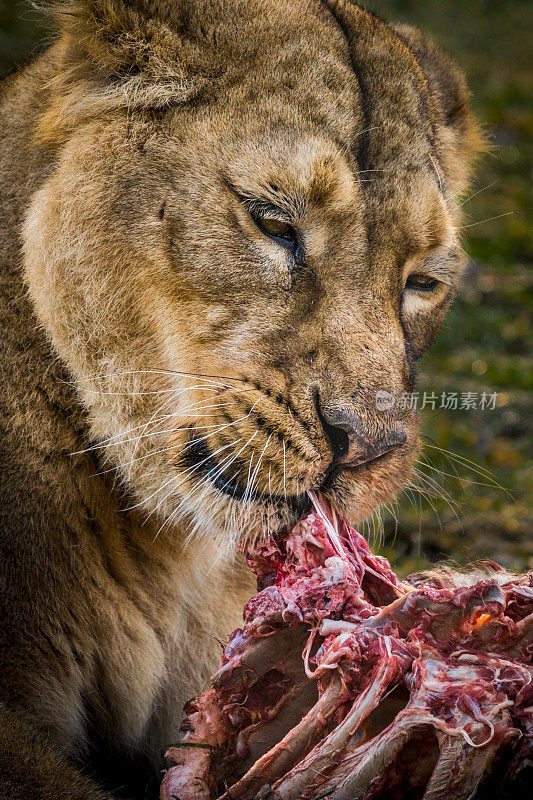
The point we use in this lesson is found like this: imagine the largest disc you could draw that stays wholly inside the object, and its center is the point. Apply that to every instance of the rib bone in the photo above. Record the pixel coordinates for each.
(305, 704)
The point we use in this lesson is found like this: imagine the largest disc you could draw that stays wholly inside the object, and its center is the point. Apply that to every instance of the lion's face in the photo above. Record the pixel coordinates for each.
(232, 285)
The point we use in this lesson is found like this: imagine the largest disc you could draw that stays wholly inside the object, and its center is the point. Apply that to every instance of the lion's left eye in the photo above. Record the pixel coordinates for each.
(420, 282)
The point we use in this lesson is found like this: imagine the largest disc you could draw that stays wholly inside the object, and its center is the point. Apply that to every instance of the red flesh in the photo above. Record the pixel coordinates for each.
(345, 682)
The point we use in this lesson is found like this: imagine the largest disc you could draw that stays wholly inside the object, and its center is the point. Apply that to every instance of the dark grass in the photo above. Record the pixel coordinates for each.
(485, 345)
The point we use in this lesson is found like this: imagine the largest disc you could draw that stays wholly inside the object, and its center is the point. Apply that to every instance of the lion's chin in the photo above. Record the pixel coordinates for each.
(347, 498)
(354, 493)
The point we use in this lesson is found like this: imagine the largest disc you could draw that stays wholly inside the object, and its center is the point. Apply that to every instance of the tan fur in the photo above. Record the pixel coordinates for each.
(141, 304)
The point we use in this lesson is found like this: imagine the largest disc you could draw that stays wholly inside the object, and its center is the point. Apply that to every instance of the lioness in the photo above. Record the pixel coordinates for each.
(226, 225)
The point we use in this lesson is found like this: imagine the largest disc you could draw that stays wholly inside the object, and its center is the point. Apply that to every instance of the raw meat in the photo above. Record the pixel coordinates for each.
(346, 683)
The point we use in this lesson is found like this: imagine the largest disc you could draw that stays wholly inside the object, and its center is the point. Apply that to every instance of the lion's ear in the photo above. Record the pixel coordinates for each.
(121, 53)
(445, 80)
(408, 87)
(125, 37)
(450, 102)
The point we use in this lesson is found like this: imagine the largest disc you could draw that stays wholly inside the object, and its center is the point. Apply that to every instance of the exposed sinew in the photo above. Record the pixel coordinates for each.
(345, 682)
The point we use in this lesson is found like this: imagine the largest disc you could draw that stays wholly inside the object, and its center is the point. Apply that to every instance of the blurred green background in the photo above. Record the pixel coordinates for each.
(476, 475)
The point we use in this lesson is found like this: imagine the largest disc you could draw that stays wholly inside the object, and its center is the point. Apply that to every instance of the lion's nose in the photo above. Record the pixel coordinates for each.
(352, 441)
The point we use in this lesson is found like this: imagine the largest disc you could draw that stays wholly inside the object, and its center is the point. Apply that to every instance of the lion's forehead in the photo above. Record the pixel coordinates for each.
(357, 78)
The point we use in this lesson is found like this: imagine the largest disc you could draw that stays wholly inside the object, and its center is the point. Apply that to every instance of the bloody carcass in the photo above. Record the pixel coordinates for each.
(346, 683)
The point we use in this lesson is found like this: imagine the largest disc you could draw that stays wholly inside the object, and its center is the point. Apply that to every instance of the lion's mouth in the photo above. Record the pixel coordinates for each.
(199, 460)
(327, 483)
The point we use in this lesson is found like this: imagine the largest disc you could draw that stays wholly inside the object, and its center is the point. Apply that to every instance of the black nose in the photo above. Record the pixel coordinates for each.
(352, 440)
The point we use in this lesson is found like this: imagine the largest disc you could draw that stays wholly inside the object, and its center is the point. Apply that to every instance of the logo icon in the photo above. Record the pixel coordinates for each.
(384, 400)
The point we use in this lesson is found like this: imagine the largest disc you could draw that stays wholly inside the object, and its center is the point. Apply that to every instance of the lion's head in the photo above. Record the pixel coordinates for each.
(250, 230)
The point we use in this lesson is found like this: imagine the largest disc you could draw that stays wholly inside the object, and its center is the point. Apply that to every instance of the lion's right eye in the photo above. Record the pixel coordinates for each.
(278, 230)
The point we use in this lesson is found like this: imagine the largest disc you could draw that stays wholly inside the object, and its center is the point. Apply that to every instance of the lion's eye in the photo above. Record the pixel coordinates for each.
(420, 282)
(280, 231)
